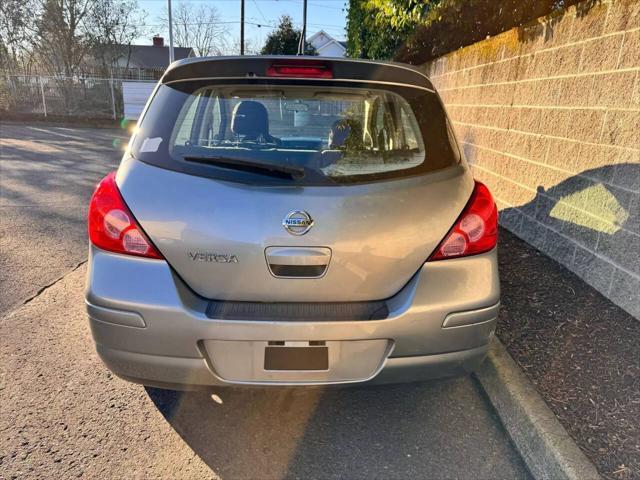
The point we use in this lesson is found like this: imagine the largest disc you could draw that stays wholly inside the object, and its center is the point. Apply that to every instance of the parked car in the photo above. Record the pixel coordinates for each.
(292, 221)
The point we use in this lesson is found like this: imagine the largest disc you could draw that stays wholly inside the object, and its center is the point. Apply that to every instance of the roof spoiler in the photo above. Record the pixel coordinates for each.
(334, 69)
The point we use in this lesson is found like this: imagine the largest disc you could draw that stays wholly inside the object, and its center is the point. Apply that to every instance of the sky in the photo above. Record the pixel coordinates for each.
(327, 15)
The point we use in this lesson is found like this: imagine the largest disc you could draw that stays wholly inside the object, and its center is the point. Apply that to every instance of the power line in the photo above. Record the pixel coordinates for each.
(277, 1)
(326, 25)
(260, 11)
(260, 23)
(255, 22)
(326, 6)
(267, 22)
(193, 24)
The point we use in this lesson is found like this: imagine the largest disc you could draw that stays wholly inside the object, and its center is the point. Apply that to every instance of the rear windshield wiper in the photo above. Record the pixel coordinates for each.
(272, 169)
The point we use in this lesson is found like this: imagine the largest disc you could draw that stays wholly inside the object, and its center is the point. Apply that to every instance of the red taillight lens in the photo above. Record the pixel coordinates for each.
(476, 231)
(111, 224)
(300, 69)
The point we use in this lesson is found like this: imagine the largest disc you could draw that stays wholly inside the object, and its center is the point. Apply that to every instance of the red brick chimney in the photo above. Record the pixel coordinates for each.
(158, 41)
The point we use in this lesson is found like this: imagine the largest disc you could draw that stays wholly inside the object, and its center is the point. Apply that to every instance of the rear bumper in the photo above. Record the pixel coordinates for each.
(151, 329)
(195, 374)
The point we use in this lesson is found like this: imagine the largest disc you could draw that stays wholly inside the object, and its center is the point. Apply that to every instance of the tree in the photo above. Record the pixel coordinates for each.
(377, 28)
(111, 28)
(199, 27)
(415, 31)
(17, 25)
(70, 35)
(250, 47)
(61, 43)
(284, 40)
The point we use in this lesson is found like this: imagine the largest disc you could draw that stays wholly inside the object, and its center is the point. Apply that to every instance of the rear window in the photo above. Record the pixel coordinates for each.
(302, 134)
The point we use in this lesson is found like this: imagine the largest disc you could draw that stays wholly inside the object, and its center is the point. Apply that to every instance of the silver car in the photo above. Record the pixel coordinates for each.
(292, 221)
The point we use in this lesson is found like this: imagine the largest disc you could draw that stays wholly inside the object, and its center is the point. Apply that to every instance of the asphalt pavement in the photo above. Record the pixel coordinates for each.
(65, 415)
(47, 175)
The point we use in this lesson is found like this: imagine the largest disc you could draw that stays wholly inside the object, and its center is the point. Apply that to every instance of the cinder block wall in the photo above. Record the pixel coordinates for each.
(549, 117)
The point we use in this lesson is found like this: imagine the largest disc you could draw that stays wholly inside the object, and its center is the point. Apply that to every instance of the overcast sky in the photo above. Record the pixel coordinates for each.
(261, 16)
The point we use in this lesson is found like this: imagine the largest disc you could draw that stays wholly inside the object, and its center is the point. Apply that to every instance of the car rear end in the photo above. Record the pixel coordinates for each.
(292, 221)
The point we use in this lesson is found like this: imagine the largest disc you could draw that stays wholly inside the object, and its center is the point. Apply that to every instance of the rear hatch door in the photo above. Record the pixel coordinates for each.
(330, 187)
(220, 236)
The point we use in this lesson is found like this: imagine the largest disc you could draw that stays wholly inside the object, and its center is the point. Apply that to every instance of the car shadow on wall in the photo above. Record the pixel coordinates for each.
(597, 210)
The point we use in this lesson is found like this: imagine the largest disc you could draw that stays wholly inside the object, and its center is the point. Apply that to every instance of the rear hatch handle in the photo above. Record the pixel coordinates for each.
(298, 262)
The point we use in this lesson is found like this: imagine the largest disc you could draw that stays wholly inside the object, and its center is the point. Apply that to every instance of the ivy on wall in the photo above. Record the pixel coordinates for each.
(416, 31)
(377, 28)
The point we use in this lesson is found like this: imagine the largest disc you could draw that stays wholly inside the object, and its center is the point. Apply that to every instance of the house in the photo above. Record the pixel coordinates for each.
(155, 56)
(327, 46)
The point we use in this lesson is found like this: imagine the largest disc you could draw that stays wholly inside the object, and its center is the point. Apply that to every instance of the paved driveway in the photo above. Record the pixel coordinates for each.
(47, 175)
(64, 415)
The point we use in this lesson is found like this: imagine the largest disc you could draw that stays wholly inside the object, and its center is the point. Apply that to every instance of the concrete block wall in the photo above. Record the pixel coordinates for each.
(549, 118)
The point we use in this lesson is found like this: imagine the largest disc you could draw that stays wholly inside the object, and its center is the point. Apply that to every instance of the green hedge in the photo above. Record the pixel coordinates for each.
(416, 31)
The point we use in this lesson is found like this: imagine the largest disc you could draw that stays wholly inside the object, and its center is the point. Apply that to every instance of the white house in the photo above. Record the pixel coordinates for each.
(327, 46)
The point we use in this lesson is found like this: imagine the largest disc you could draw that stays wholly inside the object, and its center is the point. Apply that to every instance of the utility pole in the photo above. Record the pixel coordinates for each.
(241, 27)
(171, 56)
(303, 34)
(304, 26)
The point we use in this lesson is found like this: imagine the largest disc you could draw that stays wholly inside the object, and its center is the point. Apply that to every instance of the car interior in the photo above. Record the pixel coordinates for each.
(299, 126)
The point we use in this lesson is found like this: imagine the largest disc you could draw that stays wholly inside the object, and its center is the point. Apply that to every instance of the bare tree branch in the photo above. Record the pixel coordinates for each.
(199, 27)
(17, 23)
(113, 25)
(61, 42)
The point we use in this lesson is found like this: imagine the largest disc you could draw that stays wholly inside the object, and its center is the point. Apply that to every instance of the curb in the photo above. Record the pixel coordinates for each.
(545, 446)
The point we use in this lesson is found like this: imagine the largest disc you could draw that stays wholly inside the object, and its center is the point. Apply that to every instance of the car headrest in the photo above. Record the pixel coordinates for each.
(250, 119)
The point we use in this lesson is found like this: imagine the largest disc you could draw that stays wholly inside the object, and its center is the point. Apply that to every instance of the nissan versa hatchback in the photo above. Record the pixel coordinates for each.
(291, 221)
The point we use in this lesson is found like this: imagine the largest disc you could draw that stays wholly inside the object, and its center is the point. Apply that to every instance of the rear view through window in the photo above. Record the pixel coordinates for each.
(289, 133)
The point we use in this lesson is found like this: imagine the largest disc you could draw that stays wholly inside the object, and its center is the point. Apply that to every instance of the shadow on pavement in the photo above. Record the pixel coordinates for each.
(442, 429)
(48, 174)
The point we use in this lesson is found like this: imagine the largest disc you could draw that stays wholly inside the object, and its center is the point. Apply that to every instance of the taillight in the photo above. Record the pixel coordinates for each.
(111, 224)
(476, 231)
(300, 69)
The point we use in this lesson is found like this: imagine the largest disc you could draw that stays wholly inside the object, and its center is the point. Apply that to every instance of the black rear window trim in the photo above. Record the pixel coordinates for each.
(297, 81)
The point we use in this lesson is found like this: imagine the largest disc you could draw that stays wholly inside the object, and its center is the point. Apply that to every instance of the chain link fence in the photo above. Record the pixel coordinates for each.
(79, 97)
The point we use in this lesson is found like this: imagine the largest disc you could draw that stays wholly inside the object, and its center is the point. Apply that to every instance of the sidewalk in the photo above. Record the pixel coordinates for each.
(580, 351)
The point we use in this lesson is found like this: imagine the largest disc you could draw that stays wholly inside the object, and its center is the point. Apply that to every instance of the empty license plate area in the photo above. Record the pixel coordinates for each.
(296, 356)
(296, 362)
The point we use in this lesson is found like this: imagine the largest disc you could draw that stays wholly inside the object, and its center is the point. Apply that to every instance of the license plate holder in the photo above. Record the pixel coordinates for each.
(285, 358)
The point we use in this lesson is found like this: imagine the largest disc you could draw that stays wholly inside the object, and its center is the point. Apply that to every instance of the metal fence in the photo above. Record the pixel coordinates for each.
(89, 97)
(131, 73)
(99, 98)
